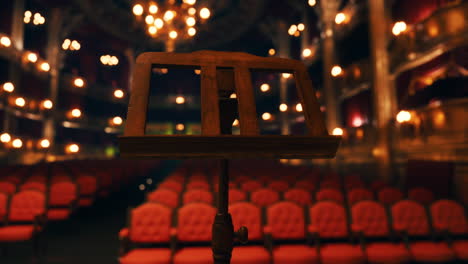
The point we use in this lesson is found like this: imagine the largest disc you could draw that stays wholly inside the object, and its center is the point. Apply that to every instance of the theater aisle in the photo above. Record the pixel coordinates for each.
(91, 235)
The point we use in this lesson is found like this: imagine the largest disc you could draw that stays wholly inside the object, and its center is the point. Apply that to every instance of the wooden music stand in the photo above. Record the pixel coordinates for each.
(215, 140)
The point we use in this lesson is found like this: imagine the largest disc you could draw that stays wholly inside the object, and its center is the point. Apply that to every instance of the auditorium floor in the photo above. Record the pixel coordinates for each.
(91, 235)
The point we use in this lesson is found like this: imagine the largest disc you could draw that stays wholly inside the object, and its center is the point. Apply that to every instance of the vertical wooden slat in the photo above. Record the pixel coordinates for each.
(313, 117)
(138, 105)
(245, 96)
(209, 102)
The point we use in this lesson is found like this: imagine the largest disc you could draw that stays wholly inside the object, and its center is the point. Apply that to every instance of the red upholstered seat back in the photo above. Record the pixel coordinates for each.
(26, 205)
(378, 185)
(198, 184)
(264, 197)
(150, 223)
(164, 196)
(359, 194)
(236, 195)
(279, 185)
(299, 196)
(389, 195)
(307, 185)
(353, 181)
(330, 195)
(194, 222)
(329, 219)
(248, 215)
(251, 185)
(33, 185)
(410, 216)
(286, 220)
(371, 218)
(171, 184)
(87, 183)
(197, 195)
(421, 195)
(62, 193)
(449, 215)
(3, 205)
(330, 184)
(7, 187)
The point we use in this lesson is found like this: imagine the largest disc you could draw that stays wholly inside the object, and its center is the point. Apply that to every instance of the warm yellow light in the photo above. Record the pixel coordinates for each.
(398, 28)
(301, 27)
(105, 59)
(169, 15)
(180, 127)
(403, 116)
(337, 131)
(32, 57)
(192, 11)
(283, 107)
(20, 102)
(47, 104)
(41, 20)
(265, 87)
(173, 34)
(152, 30)
(26, 20)
(190, 2)
(5, 138)
(8, 87)
(235, 123)
(17, 143)
(357, 121)
(28, 13)
(45, 66)
(158, 23)
(292, 30)
(340, 18)
(180, 100)
(79, 82)
(197, 71)
(266, 116)
(205, 13)
(233, 96)
(153, 9)
(117, 120)
(164, 70)
(190, 21)
(118, 93)
(306, 53)
(336, 71)
(271, 52)
(138, 10)
(312, 2)
(73, 148)
(149, 19)
(286, 75)
(5, 41)
(66, 44)
(76, 113)
(45, 143)
(192, 32)
(299, 107)
(75, 45)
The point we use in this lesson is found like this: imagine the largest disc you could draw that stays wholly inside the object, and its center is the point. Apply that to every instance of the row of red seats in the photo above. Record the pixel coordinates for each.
(289, 233)
(30, 196)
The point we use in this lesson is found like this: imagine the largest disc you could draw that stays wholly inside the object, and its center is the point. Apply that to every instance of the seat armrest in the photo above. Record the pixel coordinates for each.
(313, 235)
(124, 232)
(268, 239)
(173, 241)
(402, 234)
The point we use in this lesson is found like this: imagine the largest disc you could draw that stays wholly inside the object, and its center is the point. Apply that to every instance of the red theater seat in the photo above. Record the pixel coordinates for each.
(329, 195)
(198, 184)
(389, 195)
(330, 184)
(34, 185)
(3, 206)
(62, 199)
(307, 185)
(299, 196)
(328, 220)
(279, 185)
(369, 219)
(421, 195)
(410, 217)
(450, 217)
(236, 195)
(195, 222)
(377, 185)
(172, 185)
(167, 197)
(88, 187)
(251, 185)
(248, 215)
(7, 187)
(264, 197)
(150, 223)
(359, 194)
(197, 195)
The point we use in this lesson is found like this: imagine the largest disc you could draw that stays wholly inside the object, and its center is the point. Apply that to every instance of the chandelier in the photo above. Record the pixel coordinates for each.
(171, 20)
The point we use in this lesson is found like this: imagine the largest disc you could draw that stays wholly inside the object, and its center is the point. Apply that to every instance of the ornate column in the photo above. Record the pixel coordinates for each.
(384, 94)
(328, 10)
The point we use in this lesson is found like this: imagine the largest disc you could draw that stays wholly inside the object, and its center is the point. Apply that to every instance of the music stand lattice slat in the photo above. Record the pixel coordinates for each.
(211, 143)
